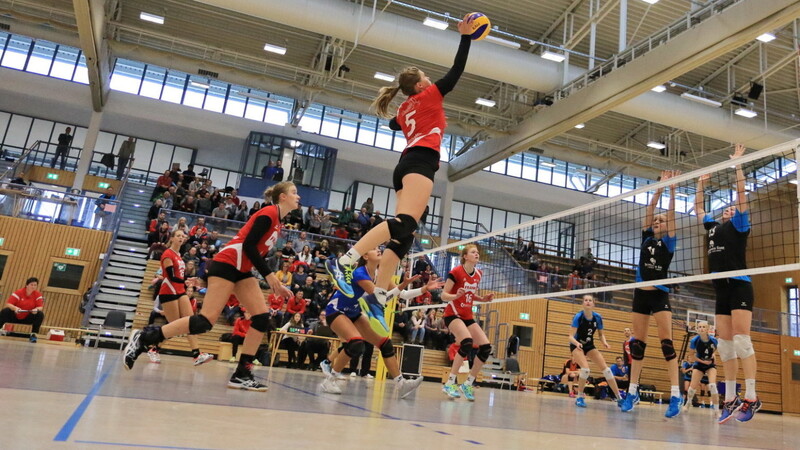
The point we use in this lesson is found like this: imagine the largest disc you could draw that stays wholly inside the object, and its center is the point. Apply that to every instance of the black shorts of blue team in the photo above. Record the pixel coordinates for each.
(587, 347)
(703, 367)
(420, 160)
(732, 294)
(650, 302)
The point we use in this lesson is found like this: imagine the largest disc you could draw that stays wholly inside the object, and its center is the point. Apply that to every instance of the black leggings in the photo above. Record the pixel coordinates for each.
(9, 316)
(291, 347)
(366, 361)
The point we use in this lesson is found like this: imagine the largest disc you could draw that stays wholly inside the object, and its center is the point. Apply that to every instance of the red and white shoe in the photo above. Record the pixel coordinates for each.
(203, 358)
(155, 358)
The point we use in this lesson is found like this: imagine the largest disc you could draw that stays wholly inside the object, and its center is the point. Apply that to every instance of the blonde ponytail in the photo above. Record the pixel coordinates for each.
(385, 97)
(273, 193)
(407, 82)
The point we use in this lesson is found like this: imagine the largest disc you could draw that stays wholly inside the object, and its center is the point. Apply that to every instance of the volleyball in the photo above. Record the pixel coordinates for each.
(480, 26)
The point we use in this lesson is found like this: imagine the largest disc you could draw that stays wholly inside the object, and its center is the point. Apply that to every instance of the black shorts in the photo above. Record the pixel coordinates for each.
(331, 317)
(650, 302)
(587, 347)
(449, 319)
(421, 160)
(732, 294)
(227, 272)
(703, 367)
(166, 298)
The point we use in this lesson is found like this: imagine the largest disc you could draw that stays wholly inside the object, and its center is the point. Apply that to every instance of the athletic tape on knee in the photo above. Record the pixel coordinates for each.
(743, 346)
(199, 324)
(401, 247)
(584, 374)
(668, 349)
(484, 351)
(712, 387)
(260, 322)
(637, 349)
(401, 233)
(465, 347)
(354, 348)
(726, 350)
(608, 374)
(387, 349)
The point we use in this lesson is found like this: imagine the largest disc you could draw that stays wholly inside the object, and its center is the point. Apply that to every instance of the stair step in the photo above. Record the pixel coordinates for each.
(115, 306)
(136, 260)
(112, 284)
(120, 292)
(116, 298)
(120, 278)
(125, 271)
(122, 265)
(132, 252)
(129, 243)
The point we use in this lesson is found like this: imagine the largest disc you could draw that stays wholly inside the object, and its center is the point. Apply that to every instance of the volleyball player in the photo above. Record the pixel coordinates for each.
(585, 325)
(727, 245)
(172, 293)
(460, 290)
(422, 120)
(346, 317)
(231, 273)
(658, 247)
(704, 347)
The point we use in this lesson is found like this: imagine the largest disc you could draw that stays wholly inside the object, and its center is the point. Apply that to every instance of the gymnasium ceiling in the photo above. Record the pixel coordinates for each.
(213, 38)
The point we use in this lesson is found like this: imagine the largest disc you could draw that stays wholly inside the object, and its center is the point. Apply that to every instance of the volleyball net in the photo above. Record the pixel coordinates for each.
(612, 229)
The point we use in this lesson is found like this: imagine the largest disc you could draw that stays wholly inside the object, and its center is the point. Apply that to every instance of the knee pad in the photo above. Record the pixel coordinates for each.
(608, 374)
(726, 350)
(484, 351)
(401, 247)
(354, 348)
(584, 374)
(465, 346)
(401, 233)
(260, 322)
(387, 349)
(199, 324)
(637, 349)
(743, 346)
(668, 349)
(712, 387)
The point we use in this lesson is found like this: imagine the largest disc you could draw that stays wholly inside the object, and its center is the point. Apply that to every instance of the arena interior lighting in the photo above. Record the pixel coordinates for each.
(659, 88)
(503, 42)
(744, 112)
(703, 100)
(553, 56)
(766, 37)
(200, 84)
(485, 102)
(275, 49)
(433, 23)
(147, 17)
(384, 77)
(580, 126)
(657, 145)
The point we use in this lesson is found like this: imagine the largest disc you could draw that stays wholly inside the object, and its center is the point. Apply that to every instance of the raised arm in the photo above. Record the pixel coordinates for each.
(651, 207)
(699, 198)
(671, 209)
(446, 295)
(448, 82)
(741, 198)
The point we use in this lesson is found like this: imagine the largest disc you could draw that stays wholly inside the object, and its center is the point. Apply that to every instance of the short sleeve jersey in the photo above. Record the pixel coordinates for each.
(727, 243)
(586, 327)
(655, 257)
(421, 117)
(168, 287)
(462, 306)
(233, 253)
(341, 303)
(704, 349)
(27, 302)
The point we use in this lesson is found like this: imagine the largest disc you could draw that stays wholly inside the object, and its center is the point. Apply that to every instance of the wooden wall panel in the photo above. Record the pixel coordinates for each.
(32, 246)
(530, 358)
(39, 174)
(91, 184)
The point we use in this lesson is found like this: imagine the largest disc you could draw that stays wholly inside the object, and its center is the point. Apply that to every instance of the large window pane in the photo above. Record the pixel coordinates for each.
(311, 120)
(127, 76)
(366, 133)
(255, 108)
(383, 139)
(348, 129)
(236, 101)
(195, 93)
(64, 65)
(399, 142)
(215, 98)
(3, 38)
(279, 112)
(17, 52)
(330, 125)
(153, 82)
(42, 57)
(173, 89)
(81, 72)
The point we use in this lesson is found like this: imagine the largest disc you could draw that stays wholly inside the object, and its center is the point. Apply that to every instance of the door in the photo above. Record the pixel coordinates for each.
(790, 374)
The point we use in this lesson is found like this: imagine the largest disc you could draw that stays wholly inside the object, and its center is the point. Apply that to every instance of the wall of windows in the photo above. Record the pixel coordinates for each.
(794, 311)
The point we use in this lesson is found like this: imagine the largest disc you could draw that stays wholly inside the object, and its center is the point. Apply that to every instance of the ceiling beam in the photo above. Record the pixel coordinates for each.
(90, 16)
(586, 27)
(710, 39)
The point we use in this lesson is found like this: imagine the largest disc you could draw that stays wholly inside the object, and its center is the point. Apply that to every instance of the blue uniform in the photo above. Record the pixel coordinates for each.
(586, 329)
(655, 256)
(345, 305)
(703, 350)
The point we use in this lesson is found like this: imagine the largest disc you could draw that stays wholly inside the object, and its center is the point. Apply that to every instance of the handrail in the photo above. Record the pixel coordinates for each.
(95, 289)
(21, 158)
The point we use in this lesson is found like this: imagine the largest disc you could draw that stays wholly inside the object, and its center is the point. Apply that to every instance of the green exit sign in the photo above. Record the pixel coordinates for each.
(103, 185)
(524, 316)
(52, 176)
(474, 309)
(60, 267)
(426, 241)
(2, 241)
(461, 247)
(73, 251)
(788, 280)
(797, 353)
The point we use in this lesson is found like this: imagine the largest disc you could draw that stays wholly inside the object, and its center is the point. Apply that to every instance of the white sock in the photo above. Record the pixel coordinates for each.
(452, 379)
(470, 380)
(633, 388)
(690, 395)
(350, 258)
(675, 391)
(730, 390)
(750, 389)
(398, 378)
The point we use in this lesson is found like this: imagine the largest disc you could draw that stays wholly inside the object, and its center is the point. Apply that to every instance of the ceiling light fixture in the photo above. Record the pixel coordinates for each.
(703, 100)
(652, 2)
(200, 84)
(657, 145)
(384, 77)
(147, 17)
(580, 126)
(503, 42)
(434, 23)
(744, 112)
(766, 37)
(553, 56)
(659, 88)
(485, 102)
(275, 49)
(546, 164)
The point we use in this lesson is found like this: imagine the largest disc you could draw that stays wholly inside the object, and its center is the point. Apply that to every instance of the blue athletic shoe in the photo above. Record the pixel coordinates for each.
(375, 313)
(729, 409)
(674, 407)
(326, 367)
(469, 391)
(580, 402)
(451, 390)
(341, 276)
(748, 410)
(630, 401)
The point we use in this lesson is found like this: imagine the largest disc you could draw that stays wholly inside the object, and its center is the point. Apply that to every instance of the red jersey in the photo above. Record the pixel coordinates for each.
(179, 269)
(421, 117)
(232, 301)
(198, 231)
(241, 326)
(233, 253)
(462, 306)
(27, 302)
(275, 302)
(296, 306)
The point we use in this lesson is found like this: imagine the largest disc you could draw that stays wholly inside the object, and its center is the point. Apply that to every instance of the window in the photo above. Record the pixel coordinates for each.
(65, 276)
(794, 311)
(525, 334)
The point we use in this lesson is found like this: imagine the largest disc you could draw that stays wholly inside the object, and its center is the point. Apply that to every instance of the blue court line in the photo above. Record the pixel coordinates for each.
(66, 430)
(474, 442)
(122, 444)
(314, 394)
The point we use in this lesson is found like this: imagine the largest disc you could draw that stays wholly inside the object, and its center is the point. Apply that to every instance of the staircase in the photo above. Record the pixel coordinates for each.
(119, 288)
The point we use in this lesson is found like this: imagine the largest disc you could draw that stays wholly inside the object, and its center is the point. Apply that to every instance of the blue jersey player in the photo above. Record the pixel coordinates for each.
(704, 347)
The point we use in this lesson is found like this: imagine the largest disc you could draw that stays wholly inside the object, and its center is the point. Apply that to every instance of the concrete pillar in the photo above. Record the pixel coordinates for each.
(85, 159)
(446, 211)
(623, 24)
